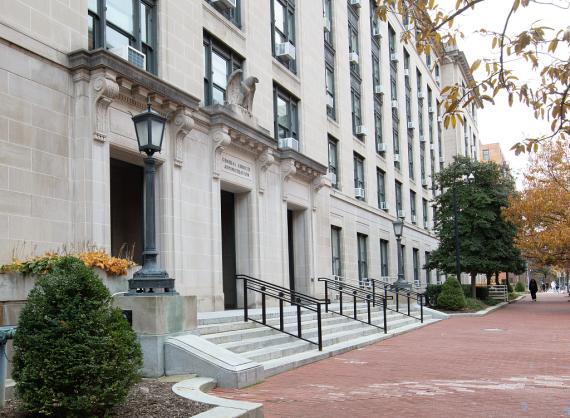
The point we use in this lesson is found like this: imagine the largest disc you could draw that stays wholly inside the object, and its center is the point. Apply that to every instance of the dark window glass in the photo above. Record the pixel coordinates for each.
(425, 212)
(359, 173)
(286, 115)
(384, 258)
(233, 14)
(330, 91)
(219, 63)
(362, 258)
(413, 206)
(416, 262)
(335, 251)
(283, 30)
(328, 21)
(398, 196)
(356, 110)
(333, 161)
(381, 179)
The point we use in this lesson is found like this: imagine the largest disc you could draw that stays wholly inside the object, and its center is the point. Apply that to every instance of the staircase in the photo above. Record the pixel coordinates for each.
(278, 352)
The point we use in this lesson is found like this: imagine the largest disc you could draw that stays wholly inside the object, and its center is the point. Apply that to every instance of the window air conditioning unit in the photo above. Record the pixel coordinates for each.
(355, 3)
(326, 24)
(289, 143)
(414, 219)
(432, 147)
(332, 178)
(411, 125)
(285, 50)
(353, 58)
(394, 57)
(359, 192)
(360, 130)
(376, 31)
(394, 104)
(425, 182)
(132, 55)
(330, 101)
(422, 138)
(406, 72)
(440, 119)
(420, 94)
(230, 4)
(401, 214)
(384, 206)
(396, 158)
(381, 147)
(379, 89)
(431, 109)
(441, 159)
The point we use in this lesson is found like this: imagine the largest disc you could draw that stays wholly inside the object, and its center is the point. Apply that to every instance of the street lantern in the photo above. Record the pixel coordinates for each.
(149, 127)
(398, 230)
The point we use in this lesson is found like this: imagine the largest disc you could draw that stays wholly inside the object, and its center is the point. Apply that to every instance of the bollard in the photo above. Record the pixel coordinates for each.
(6, 333)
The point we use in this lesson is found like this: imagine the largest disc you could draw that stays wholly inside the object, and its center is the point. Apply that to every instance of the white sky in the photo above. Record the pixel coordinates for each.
(501, 123)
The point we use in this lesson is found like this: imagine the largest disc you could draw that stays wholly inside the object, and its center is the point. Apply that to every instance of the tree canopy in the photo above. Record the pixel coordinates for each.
(486, 239)
(542, 48)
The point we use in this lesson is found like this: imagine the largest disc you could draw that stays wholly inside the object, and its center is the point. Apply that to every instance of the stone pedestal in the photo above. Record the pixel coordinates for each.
(155, 318)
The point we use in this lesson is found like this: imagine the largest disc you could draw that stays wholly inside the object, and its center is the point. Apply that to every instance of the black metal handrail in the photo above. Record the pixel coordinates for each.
(283, 295)
(357, 293)
(397, 291)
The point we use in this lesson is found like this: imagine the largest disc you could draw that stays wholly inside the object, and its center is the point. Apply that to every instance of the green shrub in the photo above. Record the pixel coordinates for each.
(491, 302)
(510, 288)
(74, 355)
(520, 287)
(473, 304)
(432, 293)
(451, 296)
(482, 292)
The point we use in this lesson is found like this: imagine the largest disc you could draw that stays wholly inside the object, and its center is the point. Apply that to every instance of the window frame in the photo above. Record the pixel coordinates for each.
(381, 185)
(416, 266)
(413, 209)
(231, 14)
(333, 168)
(233, 62)
(289, 7)
(398, 194)
(384, 258)
(336, 230)
(292, 102)
(362, 249)
(359, 181)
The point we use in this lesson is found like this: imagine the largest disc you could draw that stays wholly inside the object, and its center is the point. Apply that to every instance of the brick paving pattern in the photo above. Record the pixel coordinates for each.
(514, 362)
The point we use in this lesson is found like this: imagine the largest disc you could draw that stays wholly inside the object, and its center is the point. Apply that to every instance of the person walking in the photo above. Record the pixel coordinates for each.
(533, 288)
(553, 286)
(542, 286)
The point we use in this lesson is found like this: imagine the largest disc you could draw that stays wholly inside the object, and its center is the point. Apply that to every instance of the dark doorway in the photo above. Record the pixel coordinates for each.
(291, 249)
(127, 210)
(229, 249)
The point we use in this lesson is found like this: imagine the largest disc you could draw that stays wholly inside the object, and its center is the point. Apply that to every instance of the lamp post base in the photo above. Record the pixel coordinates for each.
(402, 284)
(145, 282)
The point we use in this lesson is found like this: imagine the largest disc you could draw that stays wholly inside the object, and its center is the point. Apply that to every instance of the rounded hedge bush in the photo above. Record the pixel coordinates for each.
(520, 287)
(74, 354)
(451, 296)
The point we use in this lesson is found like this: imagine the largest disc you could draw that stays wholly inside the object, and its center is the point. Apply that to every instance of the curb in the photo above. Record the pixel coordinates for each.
(481, 313)
(195, 388)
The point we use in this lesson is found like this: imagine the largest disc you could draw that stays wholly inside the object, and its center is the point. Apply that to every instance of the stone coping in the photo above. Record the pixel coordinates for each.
(195, 389)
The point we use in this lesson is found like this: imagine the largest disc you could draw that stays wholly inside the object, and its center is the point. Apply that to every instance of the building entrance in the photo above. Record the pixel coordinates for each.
(228, 249)
(127, 182)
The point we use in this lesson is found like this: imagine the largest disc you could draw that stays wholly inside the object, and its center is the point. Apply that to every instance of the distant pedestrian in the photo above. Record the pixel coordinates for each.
(533, 288)
(543, 285)
(554, 287)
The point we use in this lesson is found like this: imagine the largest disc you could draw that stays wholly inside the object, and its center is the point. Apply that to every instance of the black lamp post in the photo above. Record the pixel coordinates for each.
(149, 127)
(469, 178)
(398, 230)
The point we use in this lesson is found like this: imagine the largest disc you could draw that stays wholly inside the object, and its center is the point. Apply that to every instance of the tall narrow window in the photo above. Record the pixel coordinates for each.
(413, 206)
(353, 39)
(115, 24)
(362, 257)
(425, 212)
(416, 262)
(378, 128)
(283, 32)
(384, 258)
(286, 116)
(335, 251)
(399, 206)
(356, 109)
(219, 62)
(411, 169)
(233, 14)
(328, 21)
(393, 57)
(381, 178)
(359, 185)
(330, 91)
(333, 162)
(428, 272)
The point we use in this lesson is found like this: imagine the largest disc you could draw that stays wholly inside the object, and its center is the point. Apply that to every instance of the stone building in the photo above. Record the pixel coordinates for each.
(344, 136)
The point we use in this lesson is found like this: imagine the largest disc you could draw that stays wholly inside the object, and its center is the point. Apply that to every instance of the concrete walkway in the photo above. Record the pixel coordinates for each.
(514, 362)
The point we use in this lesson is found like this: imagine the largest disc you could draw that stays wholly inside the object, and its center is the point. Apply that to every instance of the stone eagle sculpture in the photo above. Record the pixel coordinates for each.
(241, 92)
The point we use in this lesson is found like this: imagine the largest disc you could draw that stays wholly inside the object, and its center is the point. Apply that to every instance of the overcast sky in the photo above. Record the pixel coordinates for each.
(501, 123)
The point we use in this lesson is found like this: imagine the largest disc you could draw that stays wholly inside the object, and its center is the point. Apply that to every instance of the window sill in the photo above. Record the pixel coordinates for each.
(223, 20)
(280, 68)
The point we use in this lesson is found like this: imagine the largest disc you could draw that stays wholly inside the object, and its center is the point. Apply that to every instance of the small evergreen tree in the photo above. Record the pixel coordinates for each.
(75, 355)
(451, 296)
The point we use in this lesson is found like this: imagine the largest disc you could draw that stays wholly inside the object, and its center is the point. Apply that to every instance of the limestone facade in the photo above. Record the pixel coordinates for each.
(65, 114)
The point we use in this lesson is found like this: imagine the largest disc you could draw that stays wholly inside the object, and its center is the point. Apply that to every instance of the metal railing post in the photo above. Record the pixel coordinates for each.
(373, 293)
(299, 333)
(340, 296)
(319, 327)
(326, 296)
(245, 313)
(263, 314)
(422, 308)
(397, 300)
(281, 325)
(368, 306)
(385, 319)
(409, 304)
(354, 303)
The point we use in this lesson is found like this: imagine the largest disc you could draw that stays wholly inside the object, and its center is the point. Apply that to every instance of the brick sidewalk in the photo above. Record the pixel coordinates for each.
(514, 362)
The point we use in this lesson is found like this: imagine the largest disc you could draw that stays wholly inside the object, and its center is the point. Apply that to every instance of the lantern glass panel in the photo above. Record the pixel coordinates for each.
(157, 132)
(142, 132)
(398, 227)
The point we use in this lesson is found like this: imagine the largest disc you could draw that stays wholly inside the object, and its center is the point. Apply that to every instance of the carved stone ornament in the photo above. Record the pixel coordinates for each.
(287, 170)
(318, 183)
(106, 90)
(183, 124)
(240, 92)
(264, 161)
(220, 139)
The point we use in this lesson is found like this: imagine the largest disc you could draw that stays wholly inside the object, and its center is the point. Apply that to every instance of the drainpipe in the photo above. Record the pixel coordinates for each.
(6, 333)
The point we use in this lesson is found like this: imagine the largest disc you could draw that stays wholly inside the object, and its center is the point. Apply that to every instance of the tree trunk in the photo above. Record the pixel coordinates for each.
(507, 279)
(473, 284)
(489, 279)
(497, 278)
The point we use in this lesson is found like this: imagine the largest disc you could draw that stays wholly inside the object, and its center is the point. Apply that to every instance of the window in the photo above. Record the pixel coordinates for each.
(356, 109)
(353, 41)
(283, 29)
(233, 14)
(428, 272)
(413, 206)
(428, 60)
(327, 13)
(391, 39)
(286, 114)
(425, 212)
(410, 158)
(335, 251)
(374, 21)
(362, 257)
(485, 155)
(416, 262)
(399, 206)
(116, 23)
(333, 161)
(384, 258)
(359, 174)
(378, 126)
(219, 63)
(437, 76)
(330, 92)
(381, 179)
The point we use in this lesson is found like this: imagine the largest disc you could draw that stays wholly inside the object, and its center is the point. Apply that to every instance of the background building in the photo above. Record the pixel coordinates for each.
(492, 152)
(345, 135)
